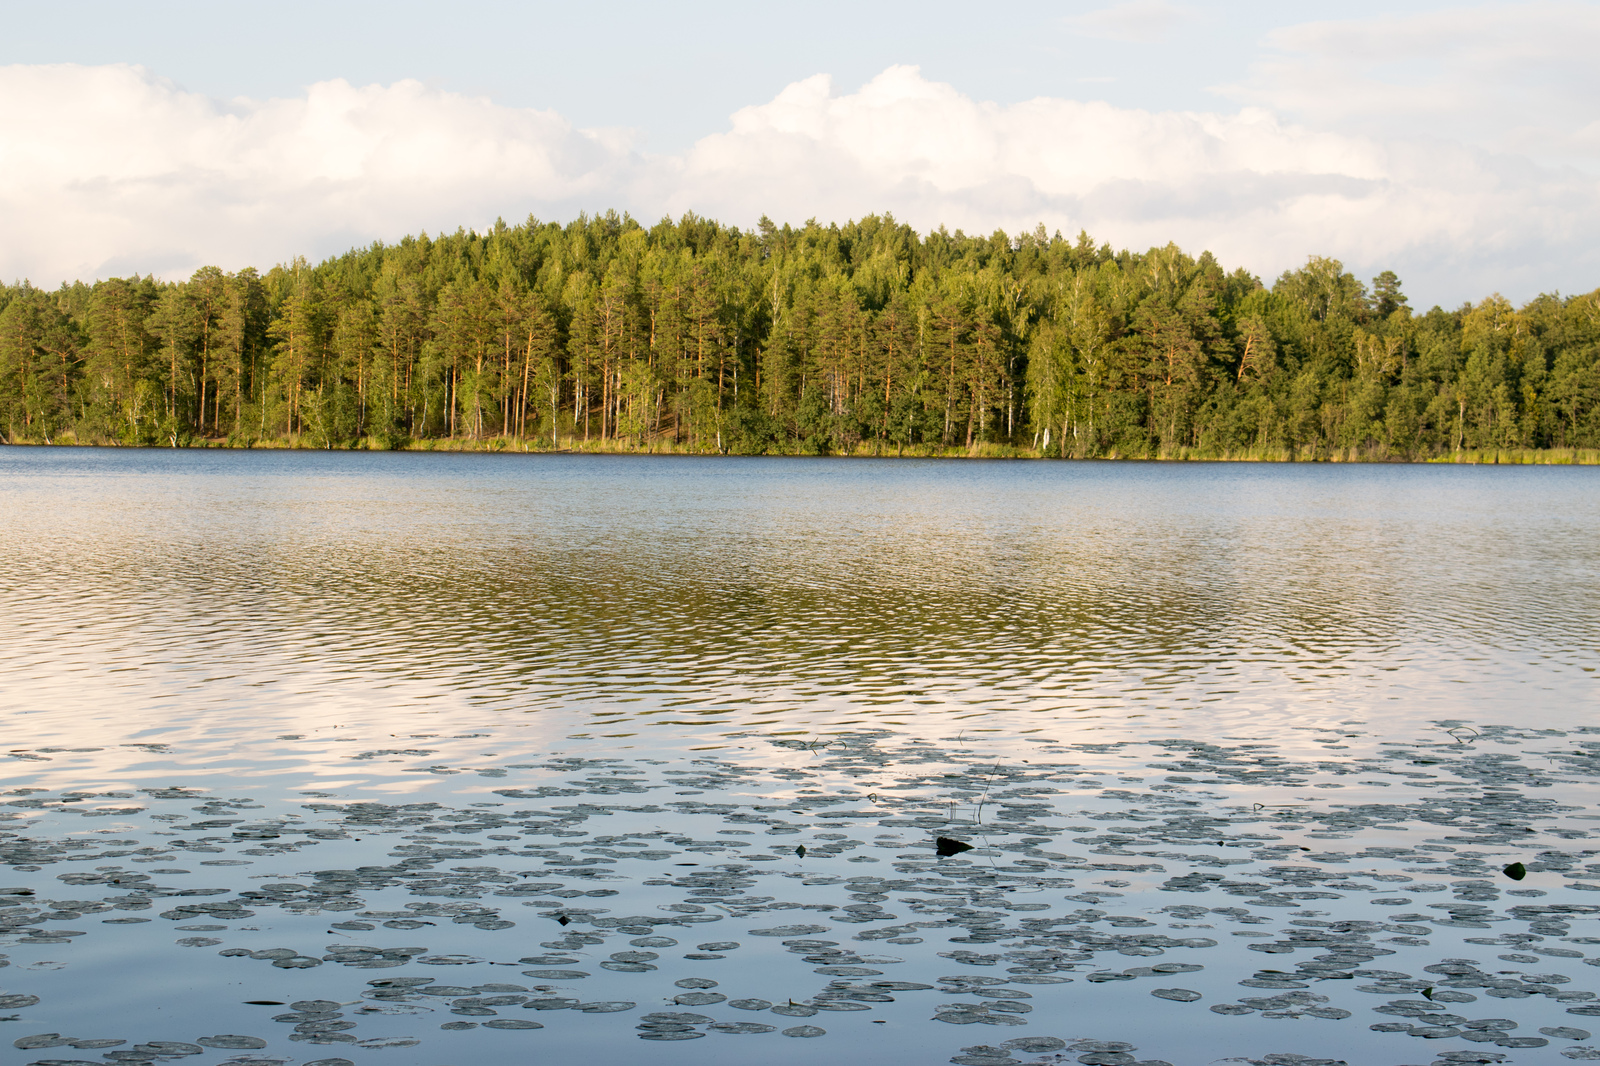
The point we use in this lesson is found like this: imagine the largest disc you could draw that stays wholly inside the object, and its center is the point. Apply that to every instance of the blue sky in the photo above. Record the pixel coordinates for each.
(1458, 144)
(676, 71)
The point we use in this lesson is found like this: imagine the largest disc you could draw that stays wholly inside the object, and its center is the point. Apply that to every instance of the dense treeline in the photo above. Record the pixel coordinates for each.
(866, 337)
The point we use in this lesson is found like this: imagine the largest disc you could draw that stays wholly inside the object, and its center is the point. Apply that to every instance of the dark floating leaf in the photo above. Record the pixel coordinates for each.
(742, 1028)
(786, 1010)
(1516, 871)
(166, 1048)
(1035, 1044)
(790, 930)
(699, 999)
(319, 1005)
(800, 851)
(232, 1042)
(550, 1003)
(946, 847)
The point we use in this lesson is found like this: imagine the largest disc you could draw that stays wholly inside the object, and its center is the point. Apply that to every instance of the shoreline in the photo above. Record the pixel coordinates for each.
(505, 445)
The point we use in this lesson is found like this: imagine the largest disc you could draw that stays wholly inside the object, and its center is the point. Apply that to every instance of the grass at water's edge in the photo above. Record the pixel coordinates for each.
(1475, 457)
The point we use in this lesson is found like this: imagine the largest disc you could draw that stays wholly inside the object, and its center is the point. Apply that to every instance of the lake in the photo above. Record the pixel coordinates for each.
(579, 751)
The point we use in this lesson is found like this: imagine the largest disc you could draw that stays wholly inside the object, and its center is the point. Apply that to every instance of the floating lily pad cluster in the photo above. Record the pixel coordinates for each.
(1433, 894)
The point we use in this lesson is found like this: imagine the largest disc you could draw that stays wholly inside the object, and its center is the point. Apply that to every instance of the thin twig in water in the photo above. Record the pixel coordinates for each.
(977, 817)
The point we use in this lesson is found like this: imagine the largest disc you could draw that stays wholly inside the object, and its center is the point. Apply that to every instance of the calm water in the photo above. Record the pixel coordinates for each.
(531, 732)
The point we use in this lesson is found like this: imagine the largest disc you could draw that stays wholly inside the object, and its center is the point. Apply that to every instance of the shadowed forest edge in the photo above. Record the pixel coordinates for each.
(862, 339)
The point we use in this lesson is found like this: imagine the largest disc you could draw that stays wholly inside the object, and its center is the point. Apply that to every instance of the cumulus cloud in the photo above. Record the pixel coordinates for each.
(109, 169)
(1257, 191)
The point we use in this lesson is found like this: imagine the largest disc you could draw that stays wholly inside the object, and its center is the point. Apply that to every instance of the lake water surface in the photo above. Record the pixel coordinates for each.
(576, 752)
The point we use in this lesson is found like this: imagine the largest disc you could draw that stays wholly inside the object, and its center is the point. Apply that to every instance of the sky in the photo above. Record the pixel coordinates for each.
(1457, 145)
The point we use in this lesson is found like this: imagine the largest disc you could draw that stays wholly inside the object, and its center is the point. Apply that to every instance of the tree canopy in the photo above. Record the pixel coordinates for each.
(860, 338)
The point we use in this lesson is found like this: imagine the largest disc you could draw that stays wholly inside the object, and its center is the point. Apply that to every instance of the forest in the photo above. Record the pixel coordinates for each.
(860, 339)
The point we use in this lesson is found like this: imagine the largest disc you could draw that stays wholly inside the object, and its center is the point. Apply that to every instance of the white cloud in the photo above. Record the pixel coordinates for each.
(1135, 21)
(1259, 192)
(109, 170)
(1513, 78)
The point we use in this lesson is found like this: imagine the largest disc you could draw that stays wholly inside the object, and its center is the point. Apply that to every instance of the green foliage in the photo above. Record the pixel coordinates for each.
(866, 338)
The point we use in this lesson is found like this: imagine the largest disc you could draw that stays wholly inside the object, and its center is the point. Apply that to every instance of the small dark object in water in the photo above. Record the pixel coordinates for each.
(947, 847)
(564, 920)
(1516, 871)
(800, 851)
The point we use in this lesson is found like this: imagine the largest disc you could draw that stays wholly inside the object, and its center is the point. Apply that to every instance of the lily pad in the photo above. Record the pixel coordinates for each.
(232, 1042)
(790, 930)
